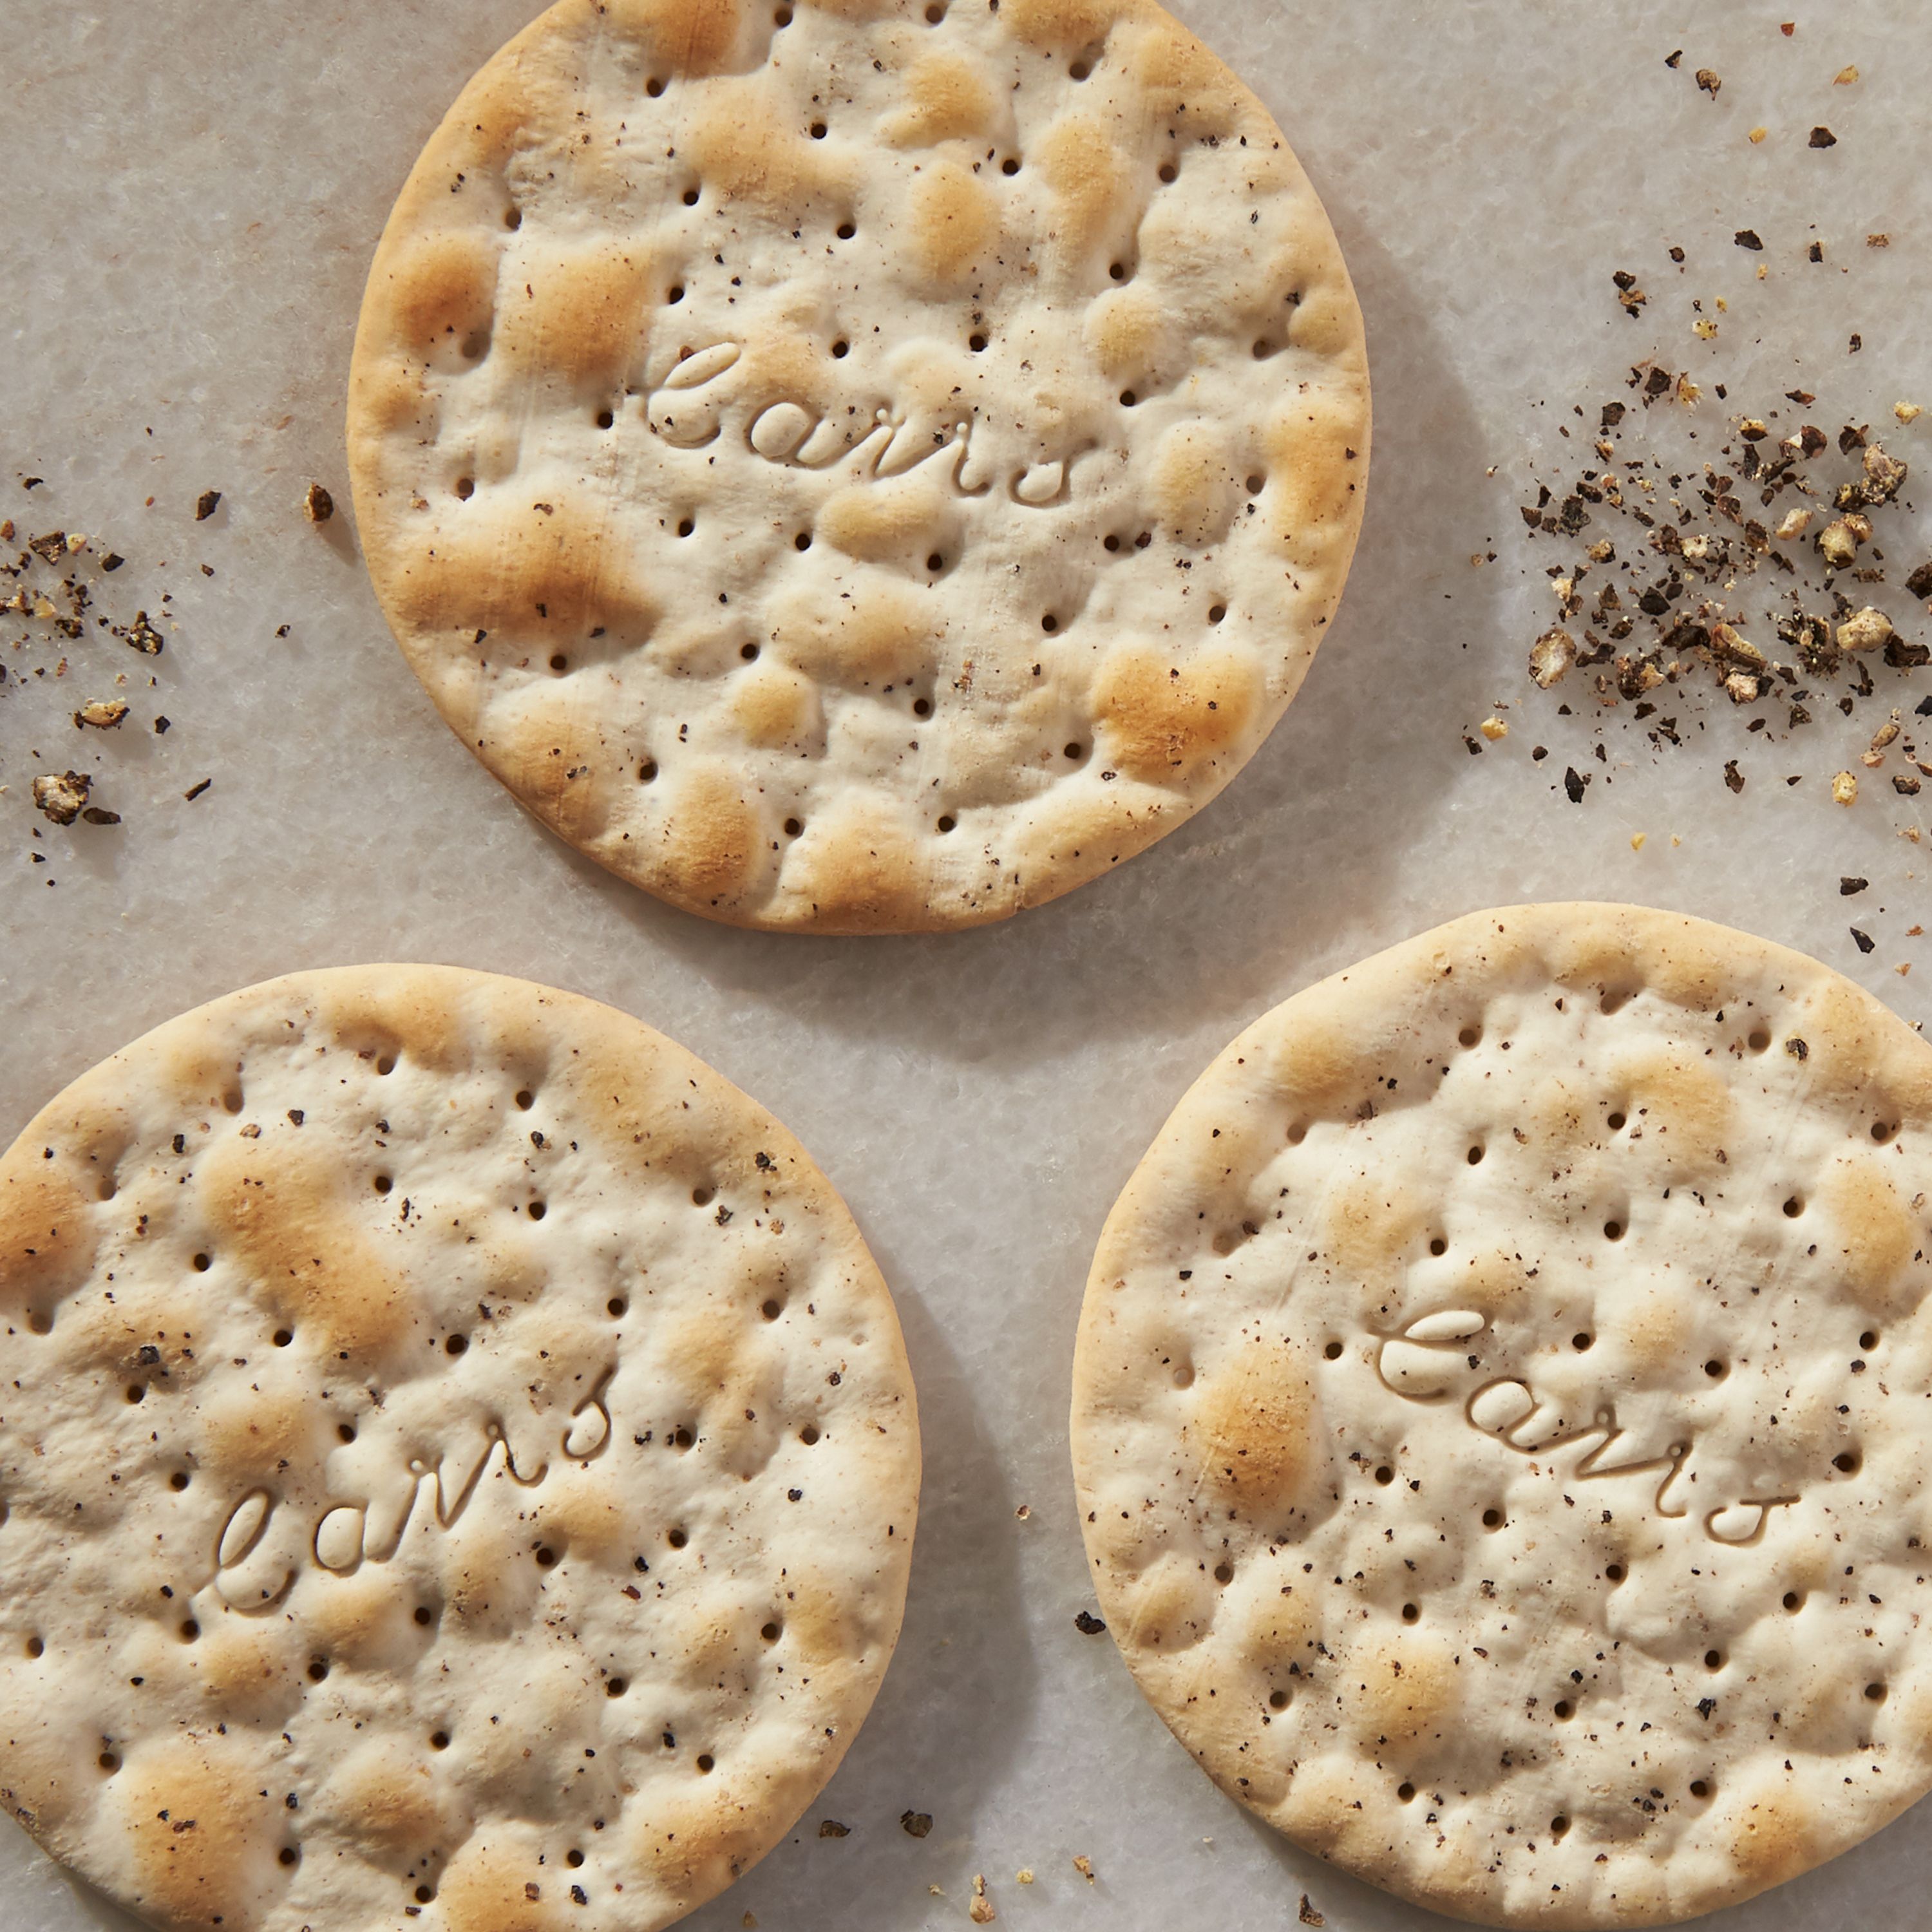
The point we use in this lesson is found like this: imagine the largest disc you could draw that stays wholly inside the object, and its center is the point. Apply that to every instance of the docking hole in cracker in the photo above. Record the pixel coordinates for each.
(857, 466)
(458, 1466)
(1501, 1411)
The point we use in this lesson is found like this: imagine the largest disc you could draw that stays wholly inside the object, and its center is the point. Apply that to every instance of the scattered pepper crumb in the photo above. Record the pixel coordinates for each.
(61, 796)
(915, 1824)
(318, 505)
(206, 504)
(1823, 137)
(1308, 1915)
(1085, 1867)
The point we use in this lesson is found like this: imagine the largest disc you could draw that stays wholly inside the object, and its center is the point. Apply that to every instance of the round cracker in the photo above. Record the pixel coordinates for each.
(859, 467)
(1501, 1412)
(459, 1460)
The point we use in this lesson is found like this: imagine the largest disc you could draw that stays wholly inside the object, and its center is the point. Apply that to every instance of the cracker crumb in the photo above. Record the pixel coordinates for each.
(1757, 134)
(1085, 1867)
(1025, 1510)
(1637, 841)
(318, 505)
(1903, 969)
(1844, 788)
(1709, 82)
(1879, 240)
(749, 1922)
(1493, 728)
(1023, 1875)
(1794, 523)
(980, 1911)
(1308, 1915)
(104, 714)
(1908, 412)
(1704, 329)
(1845, 76)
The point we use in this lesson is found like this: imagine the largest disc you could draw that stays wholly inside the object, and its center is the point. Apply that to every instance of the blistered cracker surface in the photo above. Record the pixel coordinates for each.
(459, 1465)
(1501, 1412)
(855, 466)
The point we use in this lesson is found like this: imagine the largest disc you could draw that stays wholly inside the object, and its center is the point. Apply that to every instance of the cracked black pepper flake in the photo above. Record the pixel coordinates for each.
(1573, 782)
(112, 561)
(1733, 778)
(1709, 82)
(1308, 1915)
(1920, 582)
(830, 1828)
(1747, 237)
(1088, 1624)
(1797, 1049)
(915, 1824)
(1847, 887)
(318, 505)
(1822, 137)
(96, 814)
(193, 792)
(206, 504)
(60, 796)
(1863, 940)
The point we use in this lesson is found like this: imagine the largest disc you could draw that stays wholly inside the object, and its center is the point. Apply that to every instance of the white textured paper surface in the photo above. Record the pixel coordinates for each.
(190, 192)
